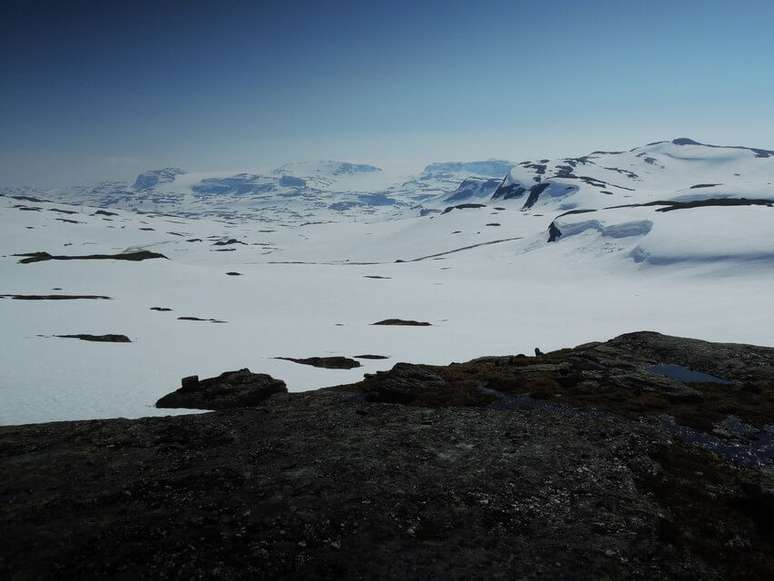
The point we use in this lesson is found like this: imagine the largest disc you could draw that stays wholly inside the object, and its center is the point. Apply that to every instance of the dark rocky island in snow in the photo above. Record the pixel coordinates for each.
(336, 362)
(645, 457)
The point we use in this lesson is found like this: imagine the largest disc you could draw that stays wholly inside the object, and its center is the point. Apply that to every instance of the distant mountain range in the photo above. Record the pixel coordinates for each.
(679, 170)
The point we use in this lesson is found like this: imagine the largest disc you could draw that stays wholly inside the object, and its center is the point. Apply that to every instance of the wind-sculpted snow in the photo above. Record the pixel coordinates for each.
(622, 230)
(711, 235)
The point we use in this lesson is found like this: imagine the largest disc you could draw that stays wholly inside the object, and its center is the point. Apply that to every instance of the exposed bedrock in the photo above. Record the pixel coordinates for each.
(643, 457)
(232, 389)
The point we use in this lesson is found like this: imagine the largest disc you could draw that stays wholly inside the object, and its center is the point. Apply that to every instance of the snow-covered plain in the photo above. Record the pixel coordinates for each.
(485, 277)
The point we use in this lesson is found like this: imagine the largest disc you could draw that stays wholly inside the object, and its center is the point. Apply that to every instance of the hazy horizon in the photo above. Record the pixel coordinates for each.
(105, 90)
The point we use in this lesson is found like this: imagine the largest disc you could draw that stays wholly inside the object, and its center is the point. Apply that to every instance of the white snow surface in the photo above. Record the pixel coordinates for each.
(486, 278)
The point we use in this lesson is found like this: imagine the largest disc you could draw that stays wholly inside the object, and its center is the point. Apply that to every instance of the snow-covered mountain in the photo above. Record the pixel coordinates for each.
(697, 191)
(658, 171)
(668, 201)
(681, 169)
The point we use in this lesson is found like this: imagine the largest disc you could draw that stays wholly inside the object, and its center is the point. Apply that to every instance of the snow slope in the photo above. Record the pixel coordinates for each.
(485, 276)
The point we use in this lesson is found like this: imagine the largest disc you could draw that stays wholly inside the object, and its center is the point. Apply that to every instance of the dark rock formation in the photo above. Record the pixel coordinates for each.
(758, 152)
(232, 389)
(54, 297)
(534, 194)
(369, 356)
(228, 242)
(474, 187)
(233, 273)
(200, 319)
(507, 191)
(131, 256)
(579, 464)
(325, 362)
(463, 207)
(553, 232)
(723, 202)
(190, 383)
(161, 309)
(405, 383)
(110, 338)
(404, 322)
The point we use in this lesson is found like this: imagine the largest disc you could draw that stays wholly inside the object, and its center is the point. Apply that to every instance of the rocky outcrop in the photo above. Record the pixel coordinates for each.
(130, 256)
(325, 362)
(473, 187)
(575, 464)
(232, 389)
(228, 242)
(109, 338)
(200, 319)
(403, 322)
(554, 233)
(534, 194)
(463, 207)
(404, 383)
(509, 189)
(55, 297)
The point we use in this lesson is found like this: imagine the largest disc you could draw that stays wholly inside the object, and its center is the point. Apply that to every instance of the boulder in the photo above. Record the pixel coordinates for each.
(232, 389)
(401, 384)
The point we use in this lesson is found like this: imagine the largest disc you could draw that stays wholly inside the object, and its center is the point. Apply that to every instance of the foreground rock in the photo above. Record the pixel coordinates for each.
(576, 464)
(232, 389)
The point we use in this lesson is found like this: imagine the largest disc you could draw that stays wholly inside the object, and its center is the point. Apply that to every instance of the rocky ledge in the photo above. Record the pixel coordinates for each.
(645, 457)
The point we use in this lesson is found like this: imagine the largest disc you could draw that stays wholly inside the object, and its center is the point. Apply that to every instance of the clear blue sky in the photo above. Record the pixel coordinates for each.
(93, 89)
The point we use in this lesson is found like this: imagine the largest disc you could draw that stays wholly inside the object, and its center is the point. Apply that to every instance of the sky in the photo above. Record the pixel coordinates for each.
(102, 89)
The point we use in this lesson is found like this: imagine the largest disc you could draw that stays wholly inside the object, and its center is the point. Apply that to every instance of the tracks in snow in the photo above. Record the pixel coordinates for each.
(419, 259)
